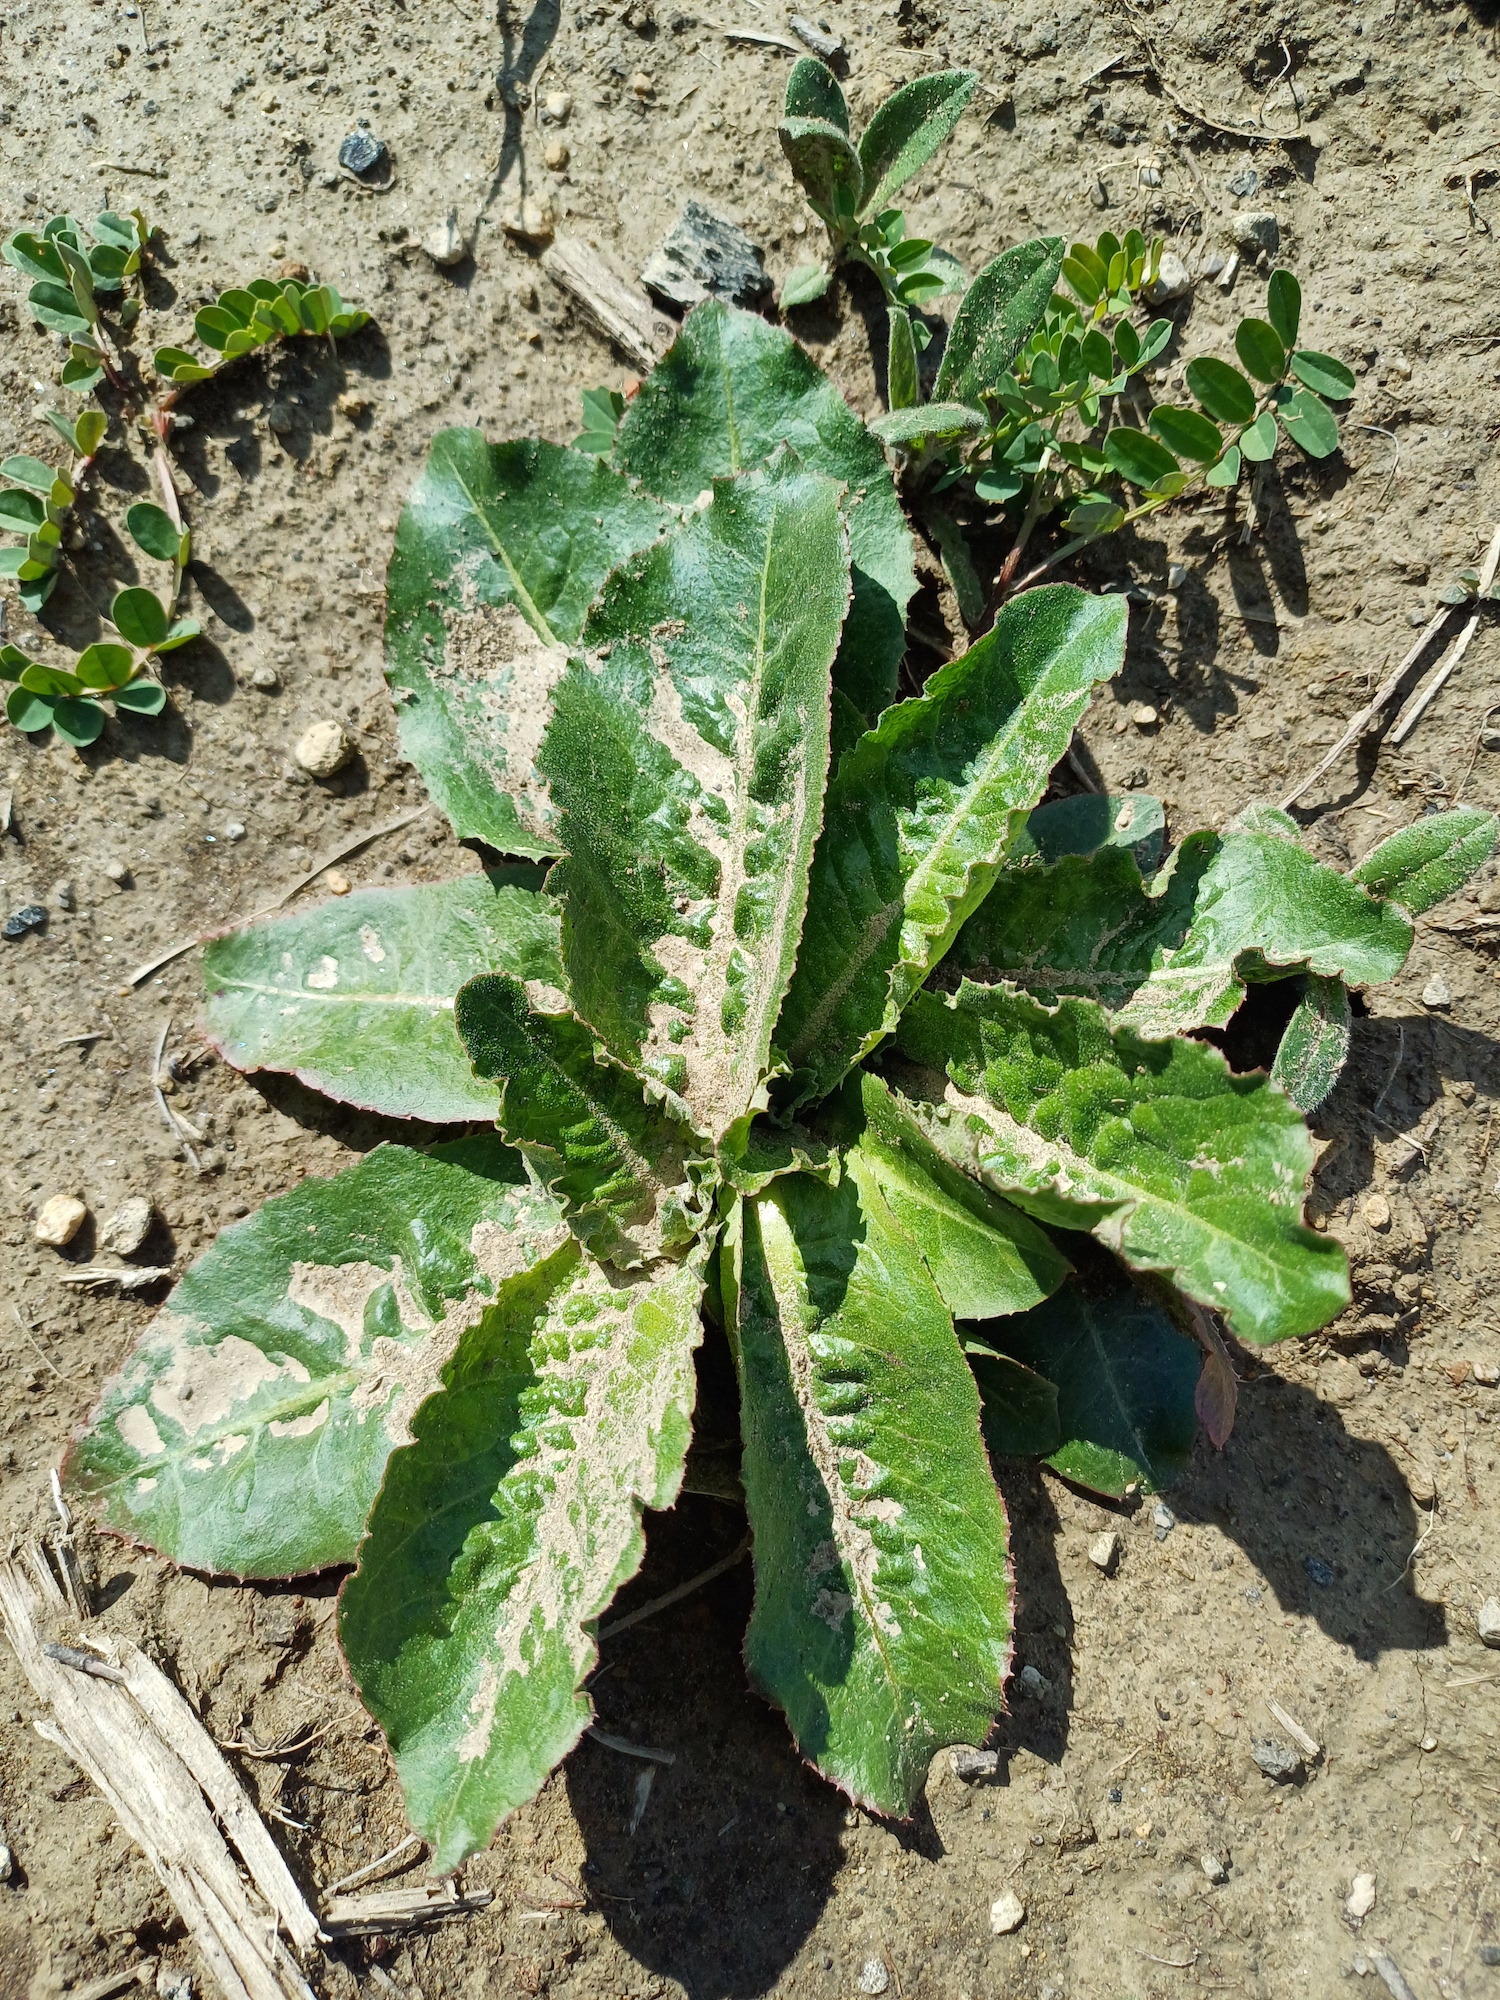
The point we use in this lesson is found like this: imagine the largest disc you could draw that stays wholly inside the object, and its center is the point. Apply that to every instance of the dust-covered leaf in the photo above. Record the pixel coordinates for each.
(1172, 954)
(921, 812)
(499, 550)
(907, 130)
(355, 996)
(248, 1432)
(1172, 1160)
(728, 391)
(504, 1529)
(1088, 821)
(1001, 310)
(1315, 1043)
(1125, 1380)
(824, 160)
(1430, 859)
(686, 761)
(622, 1171)
(882, 1613)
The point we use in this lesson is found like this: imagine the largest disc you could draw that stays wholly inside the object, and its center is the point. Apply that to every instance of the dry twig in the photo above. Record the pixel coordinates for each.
(1382, 697)
(1445, 669)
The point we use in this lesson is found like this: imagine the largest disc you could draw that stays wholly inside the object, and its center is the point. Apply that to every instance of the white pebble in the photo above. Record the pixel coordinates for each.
(873, 1977)
(1007, 1914)
(1487, 1374)
(266, 679)
(324, 749)
(234, 830)
(445, 243)
(1104, 1551)
(1144, 716)
(1213, 1868)
(59, 1220)
(129, 1226)
(1435, 994)
(1173, 280)
(1376, 1211)
(1163, 1520)
(1361, 1899)
(1489, 1621)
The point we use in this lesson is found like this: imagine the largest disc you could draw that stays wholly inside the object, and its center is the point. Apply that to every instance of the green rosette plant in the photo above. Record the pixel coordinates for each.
(793, 1021)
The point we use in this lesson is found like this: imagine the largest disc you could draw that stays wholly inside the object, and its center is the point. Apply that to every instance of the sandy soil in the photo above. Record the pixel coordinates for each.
(1334, 1557)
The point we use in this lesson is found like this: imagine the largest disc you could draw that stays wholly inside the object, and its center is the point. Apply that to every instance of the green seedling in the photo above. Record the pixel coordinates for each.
(79, 274)
(1032, 401)
(850, 184)
(246, 319)
(800, 1027)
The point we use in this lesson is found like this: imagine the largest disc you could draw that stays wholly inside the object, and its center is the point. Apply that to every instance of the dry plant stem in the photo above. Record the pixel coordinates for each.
(146, 1753)
(373, 1868)
(1383, 695)
(1449, 664)
(669, 1597)
(339, 853)
(1029, 520)
(400, 1909)
(110, 1983)
(1391, 1976)
(169, 1116)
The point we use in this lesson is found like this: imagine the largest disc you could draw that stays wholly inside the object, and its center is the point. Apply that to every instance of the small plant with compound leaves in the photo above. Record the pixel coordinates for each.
(795, 1023)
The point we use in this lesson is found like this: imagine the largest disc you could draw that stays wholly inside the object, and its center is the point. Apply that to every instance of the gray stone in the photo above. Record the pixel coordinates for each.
(1277, 1759)
(1435, 994)
(1213, 1868)
(362, 153)
(445, 243)
(1163, 1520)
(1173, 280)
(873, 1977)
(704, 256)
(1104, 1551)
(127, 1229)
(1244, 183)
(1255, 229)
(970, 1765)
(1489, 1621)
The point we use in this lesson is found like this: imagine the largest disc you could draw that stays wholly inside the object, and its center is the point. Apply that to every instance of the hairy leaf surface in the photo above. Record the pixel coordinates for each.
(1125, 1380)
(1171, 1160)
(882, 1614)
(985, 1257)
(506, 1527)
(620, 1169)
(729, 390)
(499, 551)
(921, 812)
(1017, 1407)
(248, 1432)
(686, 758)
(1171, 954)
(1001, 309)
(1315, 1044)
(355, 996)
(1091, 820)
(1430, 859)
(907, 130)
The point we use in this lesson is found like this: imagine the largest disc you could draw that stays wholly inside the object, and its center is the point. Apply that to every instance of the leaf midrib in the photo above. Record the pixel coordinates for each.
(529, 608)
(333, 998)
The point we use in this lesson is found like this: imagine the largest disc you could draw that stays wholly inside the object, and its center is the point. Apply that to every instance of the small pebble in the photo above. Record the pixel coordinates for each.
(1035, 1681)
(324, 749)
(1435, 994)
(1144, 716)
(1007, 1914)
(1244, 183)
(59, 1220)
(1277, 1759)
(1361, 1899)
(1255, 229)
(1173, 280)
(1489, 1954)
(1323, 1574)
(1212, 264)
(337, 884)
(63, 895)
(555, 155)
(1429, 1744)
(1213, 1868)
(127, 1229)
(7, 1862)
(266, 679)
(445, 243)
(173, 1982)
(1376, 1211)
(555, 107)
(873, 1977)
(1163, 1520)
(117, 872)
(1104, 1551)
(1099, 195)
(972, 1764)
(529, 222)
(32, 917)
(361, 153)
(1489, 1621)
(641, 85)
(1486, 1373)
(234, 831)
(1177, 576)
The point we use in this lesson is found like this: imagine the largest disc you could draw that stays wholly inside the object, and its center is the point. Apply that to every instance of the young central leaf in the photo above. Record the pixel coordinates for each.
(1176, 1163)
(619, 1167)
(499, 550)
(248, 1433)
(921, 813)
(503, 1531)
(686, 760)
(882, 1613)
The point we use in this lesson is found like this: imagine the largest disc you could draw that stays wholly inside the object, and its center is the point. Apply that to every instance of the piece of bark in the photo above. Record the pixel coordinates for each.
(400, 1909)
(622, 314)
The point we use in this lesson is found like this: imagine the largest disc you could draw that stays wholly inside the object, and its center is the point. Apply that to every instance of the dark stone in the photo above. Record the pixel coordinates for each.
(1245, 183)
(1277, 1759)
(362, 152)
(705, 256)
(1323, 1574)
(32, 918)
